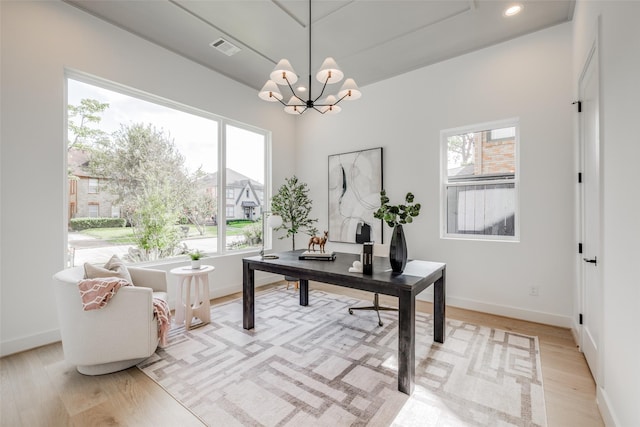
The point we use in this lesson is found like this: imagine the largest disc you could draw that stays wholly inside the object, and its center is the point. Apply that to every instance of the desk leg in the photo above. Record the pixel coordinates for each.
(304, 292)
(439, 319)
(248, 296)
(406, 342)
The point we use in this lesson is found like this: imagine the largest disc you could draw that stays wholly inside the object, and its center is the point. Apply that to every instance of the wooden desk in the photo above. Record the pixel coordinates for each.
(417, 276)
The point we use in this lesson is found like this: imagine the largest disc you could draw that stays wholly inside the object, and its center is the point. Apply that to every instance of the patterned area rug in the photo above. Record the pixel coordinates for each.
(320, 366)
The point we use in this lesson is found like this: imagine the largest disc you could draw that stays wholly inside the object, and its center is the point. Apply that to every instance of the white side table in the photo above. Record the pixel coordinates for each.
(187, 308)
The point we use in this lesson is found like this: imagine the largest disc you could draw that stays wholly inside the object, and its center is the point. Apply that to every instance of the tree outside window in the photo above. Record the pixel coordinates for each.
(156, 167)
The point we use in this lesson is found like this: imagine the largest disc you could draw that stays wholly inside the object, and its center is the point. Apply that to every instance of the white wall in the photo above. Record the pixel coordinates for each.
(619, 44)
(40, 40)
(529, 78)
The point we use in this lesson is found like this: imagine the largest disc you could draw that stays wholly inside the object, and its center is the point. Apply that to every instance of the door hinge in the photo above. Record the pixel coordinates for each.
(579, 248)
(579, 177)
(579, 105)
(580, 318)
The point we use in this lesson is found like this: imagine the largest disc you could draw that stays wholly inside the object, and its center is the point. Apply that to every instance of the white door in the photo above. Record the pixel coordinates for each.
(592, 293)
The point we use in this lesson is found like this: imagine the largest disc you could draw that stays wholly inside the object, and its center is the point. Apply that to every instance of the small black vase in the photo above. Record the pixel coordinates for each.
(398, 250)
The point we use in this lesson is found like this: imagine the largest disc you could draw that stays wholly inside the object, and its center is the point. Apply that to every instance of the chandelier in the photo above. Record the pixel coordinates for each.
(329, 73)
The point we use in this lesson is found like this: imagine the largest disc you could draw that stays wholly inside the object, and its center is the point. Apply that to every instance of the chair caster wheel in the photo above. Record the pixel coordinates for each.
(350, 311)
(380, 324)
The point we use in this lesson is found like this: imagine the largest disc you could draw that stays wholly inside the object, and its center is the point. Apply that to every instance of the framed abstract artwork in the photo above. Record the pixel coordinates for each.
(355, 182)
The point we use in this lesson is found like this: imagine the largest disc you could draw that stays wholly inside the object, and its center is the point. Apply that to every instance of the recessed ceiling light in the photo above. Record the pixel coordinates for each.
(513, 10)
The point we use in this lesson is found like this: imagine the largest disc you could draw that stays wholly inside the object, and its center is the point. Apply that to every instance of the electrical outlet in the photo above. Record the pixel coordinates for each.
(533, 291)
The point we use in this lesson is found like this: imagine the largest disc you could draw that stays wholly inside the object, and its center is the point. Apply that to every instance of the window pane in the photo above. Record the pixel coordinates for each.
(149, 163)
(93, 211)
(480, 181)
(487, 154)
(245, 178)
(485, 209)
(93, 185)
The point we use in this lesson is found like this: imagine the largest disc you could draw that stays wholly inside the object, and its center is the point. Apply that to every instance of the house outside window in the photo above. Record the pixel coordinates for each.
(480, 181)
(230, 212)
(230, 194)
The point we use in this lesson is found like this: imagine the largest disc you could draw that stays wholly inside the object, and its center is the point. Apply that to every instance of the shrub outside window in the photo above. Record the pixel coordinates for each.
(480, 181)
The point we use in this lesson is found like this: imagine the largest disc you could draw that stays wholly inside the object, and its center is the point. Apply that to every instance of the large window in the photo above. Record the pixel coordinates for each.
(157, 164)
(480, 181)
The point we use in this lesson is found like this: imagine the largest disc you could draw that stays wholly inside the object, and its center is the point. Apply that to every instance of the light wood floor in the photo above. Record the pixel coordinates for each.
(38, 388)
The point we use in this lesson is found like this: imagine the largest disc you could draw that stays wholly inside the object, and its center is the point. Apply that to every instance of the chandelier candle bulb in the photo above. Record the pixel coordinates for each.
(349, 90)
(329, 72)
(270, 92)
(283, 73)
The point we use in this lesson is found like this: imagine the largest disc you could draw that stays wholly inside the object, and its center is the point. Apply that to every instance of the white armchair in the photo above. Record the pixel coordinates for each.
(117, 336)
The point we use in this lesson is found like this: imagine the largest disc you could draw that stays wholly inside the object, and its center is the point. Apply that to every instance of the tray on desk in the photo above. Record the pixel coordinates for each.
(317, 256)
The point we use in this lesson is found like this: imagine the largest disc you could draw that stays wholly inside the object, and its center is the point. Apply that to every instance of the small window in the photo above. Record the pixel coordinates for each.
(247, 193)
(93, 185)
(230, 212)
(480, 181)
(115, 211)
(93, 210)
(230, 195)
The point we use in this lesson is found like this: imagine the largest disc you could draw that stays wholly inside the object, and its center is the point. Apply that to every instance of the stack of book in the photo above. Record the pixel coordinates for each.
(312, 255)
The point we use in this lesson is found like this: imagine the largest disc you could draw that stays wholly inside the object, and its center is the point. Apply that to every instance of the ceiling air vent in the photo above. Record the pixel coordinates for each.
(225, 47)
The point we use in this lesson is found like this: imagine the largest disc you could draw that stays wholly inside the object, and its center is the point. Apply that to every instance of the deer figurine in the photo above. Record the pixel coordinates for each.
(315, 240)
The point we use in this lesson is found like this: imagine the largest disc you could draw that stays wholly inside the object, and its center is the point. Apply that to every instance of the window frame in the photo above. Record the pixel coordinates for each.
(446, 182)
(222, 122)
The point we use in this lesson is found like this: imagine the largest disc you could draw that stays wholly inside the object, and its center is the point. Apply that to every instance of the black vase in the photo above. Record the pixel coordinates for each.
(398, 250)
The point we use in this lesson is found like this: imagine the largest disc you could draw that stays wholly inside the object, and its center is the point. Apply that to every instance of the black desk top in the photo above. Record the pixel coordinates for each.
(416, 277)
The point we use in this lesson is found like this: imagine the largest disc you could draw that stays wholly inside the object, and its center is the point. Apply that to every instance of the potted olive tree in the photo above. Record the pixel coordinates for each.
(293, 204)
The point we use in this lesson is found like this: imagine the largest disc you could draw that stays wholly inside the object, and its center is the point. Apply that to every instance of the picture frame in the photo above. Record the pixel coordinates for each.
(355, 182)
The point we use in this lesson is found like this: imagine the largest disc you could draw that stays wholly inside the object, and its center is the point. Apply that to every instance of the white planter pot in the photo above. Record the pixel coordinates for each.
(195, 264)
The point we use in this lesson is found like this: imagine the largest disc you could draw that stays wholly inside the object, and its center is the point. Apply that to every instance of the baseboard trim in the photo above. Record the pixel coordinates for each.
(217, 291)
(507, 311)
(604, 404)
(29, 343)
(575, 332)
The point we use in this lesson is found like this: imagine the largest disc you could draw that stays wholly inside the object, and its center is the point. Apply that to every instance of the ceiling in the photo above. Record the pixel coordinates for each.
(370, 39)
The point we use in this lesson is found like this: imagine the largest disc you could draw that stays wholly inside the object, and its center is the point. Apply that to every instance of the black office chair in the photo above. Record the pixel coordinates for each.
(381, 250)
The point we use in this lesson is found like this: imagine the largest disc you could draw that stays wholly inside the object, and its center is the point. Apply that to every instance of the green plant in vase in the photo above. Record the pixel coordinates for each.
(396, 216)
(196, 258)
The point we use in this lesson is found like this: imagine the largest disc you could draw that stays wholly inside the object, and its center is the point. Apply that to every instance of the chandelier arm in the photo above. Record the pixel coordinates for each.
(293, 92)
(323, 88)
(282, 102)
(343, 97)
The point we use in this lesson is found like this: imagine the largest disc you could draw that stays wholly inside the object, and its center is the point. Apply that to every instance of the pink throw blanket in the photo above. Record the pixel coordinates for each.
(96, 293)
(161, 310)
